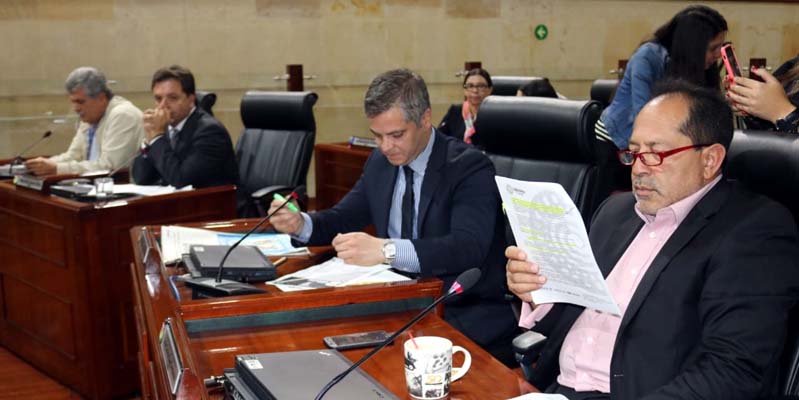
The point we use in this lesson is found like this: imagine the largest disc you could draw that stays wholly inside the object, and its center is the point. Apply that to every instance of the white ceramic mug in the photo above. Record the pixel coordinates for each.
(428, 366)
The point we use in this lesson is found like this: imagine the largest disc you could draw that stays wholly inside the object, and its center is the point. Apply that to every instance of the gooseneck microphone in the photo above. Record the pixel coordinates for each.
(223, 287)
(462, 283)
(18, 158)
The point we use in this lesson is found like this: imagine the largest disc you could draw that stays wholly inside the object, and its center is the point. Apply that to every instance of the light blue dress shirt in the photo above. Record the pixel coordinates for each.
(407, 260)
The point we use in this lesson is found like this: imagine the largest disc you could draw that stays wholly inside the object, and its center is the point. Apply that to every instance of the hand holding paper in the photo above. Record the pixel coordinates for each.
(549, 228)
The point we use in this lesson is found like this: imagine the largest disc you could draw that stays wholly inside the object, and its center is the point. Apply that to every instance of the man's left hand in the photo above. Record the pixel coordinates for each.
(358, 248)
(41, 166)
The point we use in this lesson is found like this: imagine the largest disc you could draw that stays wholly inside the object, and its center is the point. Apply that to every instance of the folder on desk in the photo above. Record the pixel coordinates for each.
(302, 374)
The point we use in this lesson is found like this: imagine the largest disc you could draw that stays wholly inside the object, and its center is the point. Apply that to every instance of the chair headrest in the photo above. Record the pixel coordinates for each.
(603, 90)
(508, 85)
(205, 100)
(539, 128)
(291, 111)
(767, 163)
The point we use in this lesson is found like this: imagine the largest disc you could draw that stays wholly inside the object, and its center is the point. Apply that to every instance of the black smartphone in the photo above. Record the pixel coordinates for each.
(356, 340)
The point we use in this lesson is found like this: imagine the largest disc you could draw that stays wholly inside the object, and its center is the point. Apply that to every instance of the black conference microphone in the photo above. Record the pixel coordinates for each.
(18, 158)
(462, 283)
(218, 287)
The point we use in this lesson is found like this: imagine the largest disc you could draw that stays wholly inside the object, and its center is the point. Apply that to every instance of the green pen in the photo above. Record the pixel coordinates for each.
(290, 205)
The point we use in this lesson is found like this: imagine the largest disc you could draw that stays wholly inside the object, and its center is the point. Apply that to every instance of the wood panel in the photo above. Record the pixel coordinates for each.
(66, 285)
(338, 167)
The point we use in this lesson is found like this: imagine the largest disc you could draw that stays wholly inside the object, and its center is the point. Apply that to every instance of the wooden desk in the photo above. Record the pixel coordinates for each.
(211, 332)
(65, 283)
(338, 167)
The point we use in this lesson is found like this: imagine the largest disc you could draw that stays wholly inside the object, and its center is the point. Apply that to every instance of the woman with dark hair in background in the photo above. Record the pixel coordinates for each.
(687, 47)
(771, 104)
(459, 121)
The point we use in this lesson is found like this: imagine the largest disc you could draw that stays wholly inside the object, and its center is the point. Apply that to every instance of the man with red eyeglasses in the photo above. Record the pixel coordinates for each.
(704, 272)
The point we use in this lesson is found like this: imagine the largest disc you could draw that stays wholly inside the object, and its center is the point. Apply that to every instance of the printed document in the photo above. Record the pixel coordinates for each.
(549, 228)
(540, 396)
(175, 241)
(334, 273)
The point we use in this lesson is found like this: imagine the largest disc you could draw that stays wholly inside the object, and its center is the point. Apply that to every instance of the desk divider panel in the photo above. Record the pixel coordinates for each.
(306, 315)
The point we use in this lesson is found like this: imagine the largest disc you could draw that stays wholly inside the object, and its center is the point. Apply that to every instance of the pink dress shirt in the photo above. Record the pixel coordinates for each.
(588, 347)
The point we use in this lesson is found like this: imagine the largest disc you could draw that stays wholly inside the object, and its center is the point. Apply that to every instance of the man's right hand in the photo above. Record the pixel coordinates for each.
(285, 220)
(522, 275)
(155, 123)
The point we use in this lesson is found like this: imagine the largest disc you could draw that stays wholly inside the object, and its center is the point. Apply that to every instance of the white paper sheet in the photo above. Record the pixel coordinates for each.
(334, 273)
(540, 396)
(549, 228)
(175, 241)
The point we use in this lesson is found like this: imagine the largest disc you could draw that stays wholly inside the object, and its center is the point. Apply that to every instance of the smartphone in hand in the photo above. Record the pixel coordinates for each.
(730, 61)
(356, 340)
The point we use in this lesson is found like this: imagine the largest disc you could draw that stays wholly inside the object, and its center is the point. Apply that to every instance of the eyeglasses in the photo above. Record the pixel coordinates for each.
(652, 158)
(479, 86)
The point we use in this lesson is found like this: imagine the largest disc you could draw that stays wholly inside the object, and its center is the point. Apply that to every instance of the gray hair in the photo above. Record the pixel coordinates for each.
(399, 87)
(90, 79)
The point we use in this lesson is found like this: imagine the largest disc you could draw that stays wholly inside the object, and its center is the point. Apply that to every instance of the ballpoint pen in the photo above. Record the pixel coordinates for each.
(291, 206)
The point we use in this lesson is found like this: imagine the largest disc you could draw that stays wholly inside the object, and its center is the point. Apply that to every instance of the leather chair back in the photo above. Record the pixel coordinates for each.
(768, 163)
(508, 85)
(603, 90)
(276, 145)
(205, 100)
(547, 140)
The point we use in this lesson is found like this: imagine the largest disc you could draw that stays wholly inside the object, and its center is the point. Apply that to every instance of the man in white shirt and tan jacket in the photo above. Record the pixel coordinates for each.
(109, 133)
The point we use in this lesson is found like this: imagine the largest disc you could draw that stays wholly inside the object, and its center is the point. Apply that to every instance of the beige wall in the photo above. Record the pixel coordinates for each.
(235, 45)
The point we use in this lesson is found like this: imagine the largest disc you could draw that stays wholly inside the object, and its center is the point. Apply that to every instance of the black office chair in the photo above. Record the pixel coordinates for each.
(603, 90)
(275, 147)
(768, 163)
(508, 85)
(546, 140)
(205, 100)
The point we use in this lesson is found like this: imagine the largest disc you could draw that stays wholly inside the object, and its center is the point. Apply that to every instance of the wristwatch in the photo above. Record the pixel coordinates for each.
(788, 122)
(389, 251)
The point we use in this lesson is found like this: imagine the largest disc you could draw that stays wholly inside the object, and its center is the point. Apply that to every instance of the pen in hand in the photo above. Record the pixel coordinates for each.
(291, 206)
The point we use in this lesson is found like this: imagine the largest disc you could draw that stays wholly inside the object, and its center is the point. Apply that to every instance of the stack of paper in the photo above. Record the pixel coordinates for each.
(335, 273)
(175, 241)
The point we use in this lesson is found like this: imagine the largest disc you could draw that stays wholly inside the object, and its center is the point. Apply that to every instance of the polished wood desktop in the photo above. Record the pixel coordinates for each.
(210, 332)
(65, 283)
(338, 167)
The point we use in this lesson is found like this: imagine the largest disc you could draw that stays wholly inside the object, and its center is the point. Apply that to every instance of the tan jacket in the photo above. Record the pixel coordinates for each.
(118, 136)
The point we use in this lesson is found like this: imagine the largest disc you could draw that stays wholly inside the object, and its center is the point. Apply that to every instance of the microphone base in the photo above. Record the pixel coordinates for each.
(205, 288)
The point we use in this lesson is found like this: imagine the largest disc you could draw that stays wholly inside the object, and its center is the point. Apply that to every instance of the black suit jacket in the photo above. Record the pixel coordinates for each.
(459, 224)
(708, 319)
(452, 125)
(203, 156)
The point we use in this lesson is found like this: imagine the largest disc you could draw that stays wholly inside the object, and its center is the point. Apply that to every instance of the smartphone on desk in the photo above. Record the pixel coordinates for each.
(356, 340)
(730, 61)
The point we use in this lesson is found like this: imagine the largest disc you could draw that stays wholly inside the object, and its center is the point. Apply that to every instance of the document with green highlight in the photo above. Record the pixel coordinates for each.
(549, 228)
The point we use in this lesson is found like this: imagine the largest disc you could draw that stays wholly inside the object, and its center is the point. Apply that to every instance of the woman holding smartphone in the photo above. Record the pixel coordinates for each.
(459, 121)
(687, 47)
(771, 104)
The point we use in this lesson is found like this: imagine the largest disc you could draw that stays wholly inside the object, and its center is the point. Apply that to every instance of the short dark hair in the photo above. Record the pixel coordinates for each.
(539, 88)
(709, 118)
(398, 87)
(178, 73)
(480, 72)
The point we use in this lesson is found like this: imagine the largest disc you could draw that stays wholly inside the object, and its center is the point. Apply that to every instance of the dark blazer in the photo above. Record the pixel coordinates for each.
(709, 318)
(452, 124)
(459, 223)
(203, 156)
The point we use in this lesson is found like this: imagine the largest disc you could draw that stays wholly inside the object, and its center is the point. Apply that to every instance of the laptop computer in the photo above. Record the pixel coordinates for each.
(301, 375)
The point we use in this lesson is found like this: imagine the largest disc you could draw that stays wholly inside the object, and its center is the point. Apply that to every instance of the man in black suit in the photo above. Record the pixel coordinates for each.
(447, 221)
(183, 144)
(705, 273)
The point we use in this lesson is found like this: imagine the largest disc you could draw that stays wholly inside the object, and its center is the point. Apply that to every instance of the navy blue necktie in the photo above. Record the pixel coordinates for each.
(408, 210)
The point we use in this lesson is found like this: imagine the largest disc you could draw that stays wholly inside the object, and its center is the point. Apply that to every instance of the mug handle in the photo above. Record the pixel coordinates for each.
(458, 373)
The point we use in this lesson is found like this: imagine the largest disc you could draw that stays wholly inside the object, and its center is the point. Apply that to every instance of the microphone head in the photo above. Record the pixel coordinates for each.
(47, 134)
(298, 192)
(465, 281)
